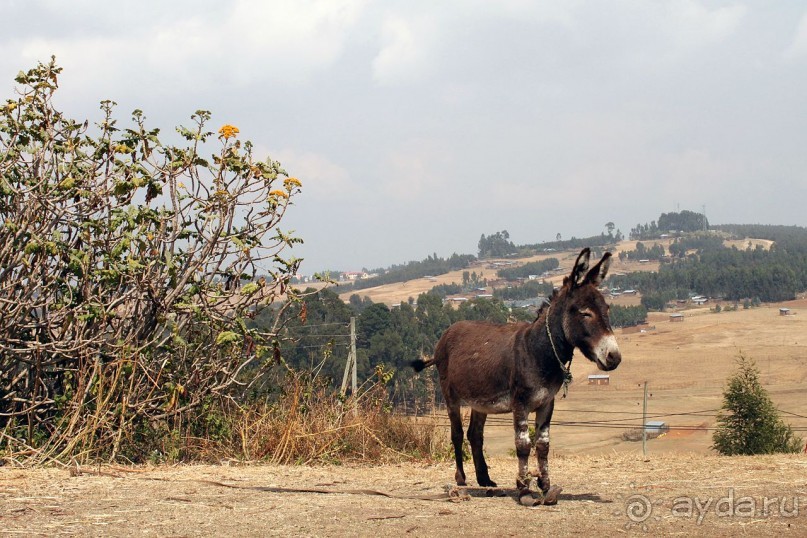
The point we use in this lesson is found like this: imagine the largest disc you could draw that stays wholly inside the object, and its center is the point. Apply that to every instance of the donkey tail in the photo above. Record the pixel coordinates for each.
(420, 364)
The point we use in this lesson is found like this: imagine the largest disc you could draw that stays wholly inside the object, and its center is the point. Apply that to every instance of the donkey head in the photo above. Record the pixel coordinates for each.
(585, 313)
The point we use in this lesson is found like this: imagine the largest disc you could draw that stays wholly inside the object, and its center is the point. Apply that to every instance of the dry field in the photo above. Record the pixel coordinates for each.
(604, 495)
(685, 365)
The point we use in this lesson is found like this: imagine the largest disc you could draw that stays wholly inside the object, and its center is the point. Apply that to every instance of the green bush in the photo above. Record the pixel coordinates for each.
(748, 422)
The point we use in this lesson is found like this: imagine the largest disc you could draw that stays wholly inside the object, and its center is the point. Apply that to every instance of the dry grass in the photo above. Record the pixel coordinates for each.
(311, 424)
(306, 423)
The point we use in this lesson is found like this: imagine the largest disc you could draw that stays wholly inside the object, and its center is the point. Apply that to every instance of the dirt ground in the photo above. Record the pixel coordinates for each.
(681, 494)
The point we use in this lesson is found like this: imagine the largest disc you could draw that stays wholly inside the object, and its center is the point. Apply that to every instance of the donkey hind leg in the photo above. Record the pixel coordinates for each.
(543, 416)
(455, 418)
(523, 447)
(475, 437)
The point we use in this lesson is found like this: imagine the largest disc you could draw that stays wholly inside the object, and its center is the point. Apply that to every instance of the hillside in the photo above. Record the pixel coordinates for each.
(395, 293)
(684, 363)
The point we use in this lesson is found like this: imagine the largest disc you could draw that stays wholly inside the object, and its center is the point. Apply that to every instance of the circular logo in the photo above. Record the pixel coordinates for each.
(638, 508)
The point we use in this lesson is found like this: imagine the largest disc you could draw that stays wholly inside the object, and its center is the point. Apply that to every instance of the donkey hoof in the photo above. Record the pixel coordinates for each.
(459, 477)
(526, 498)
(551, 495)
(486, 483)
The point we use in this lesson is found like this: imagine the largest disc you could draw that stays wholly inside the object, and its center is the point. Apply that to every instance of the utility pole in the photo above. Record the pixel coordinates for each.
(644, 422)
(353, 386)
(350, 365)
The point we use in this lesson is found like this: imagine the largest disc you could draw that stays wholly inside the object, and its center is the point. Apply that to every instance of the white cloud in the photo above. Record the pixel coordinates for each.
(252, 41)
(292, 36)
(405, 55)
(321, 178)
(798, 46)
(694, 25)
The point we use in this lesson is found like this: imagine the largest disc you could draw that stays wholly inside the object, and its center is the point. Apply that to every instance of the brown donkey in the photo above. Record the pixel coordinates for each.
(520, 367)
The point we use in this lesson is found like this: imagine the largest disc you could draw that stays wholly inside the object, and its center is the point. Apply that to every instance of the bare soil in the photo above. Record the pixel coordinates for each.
(681, 494)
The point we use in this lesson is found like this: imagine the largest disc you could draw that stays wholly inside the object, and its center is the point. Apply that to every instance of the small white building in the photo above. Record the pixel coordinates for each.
(599, 379)
(656, 427)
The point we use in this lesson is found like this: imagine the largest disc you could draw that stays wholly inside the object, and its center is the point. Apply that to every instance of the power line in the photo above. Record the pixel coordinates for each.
(312, 335)
(342, 323)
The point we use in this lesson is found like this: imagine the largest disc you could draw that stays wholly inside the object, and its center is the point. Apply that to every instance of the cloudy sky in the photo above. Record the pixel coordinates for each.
(417, 126)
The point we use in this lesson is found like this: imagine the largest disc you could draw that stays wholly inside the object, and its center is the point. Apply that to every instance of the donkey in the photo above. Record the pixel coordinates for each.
(519, 368)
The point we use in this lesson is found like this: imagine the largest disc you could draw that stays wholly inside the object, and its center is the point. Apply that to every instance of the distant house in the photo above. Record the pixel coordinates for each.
(676, 317)
(656, 427)
(599, 379)
(699, 299)
(785, 312)
(525, 303)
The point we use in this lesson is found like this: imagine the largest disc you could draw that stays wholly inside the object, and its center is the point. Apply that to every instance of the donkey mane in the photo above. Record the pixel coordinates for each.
(546, 304)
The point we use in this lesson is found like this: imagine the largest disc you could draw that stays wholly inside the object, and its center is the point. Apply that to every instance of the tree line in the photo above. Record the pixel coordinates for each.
(670, 223)
(317, 336)
(770, 275)
(431, 266)
(530, 268)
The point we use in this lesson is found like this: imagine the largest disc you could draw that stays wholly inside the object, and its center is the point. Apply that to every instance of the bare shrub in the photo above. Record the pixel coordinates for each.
(128, 271)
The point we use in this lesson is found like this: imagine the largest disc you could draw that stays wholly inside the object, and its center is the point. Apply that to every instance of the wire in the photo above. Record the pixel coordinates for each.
(342, 323)
(322, 336)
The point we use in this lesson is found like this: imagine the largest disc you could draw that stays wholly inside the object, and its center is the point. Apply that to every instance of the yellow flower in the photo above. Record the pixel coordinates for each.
(278, 193)
(292, 182)
(228, 131)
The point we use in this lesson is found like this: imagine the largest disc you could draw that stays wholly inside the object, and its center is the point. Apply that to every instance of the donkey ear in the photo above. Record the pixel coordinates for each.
(598, 272)
(580, 266)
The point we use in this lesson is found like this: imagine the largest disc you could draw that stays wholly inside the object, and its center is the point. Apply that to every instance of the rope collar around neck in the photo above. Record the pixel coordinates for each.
(567, 371)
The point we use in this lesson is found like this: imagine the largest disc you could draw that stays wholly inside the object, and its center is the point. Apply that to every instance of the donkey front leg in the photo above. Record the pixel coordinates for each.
(543, 416)
(523, 446)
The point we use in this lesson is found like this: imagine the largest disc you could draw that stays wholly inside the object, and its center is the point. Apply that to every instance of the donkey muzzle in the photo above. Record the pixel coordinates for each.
(607, 353)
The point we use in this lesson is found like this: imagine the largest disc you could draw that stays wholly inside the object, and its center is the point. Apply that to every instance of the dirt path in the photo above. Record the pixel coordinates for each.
(667, 495)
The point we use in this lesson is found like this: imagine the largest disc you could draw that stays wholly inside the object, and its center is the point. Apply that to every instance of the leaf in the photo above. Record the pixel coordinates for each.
(225, 337)
(250, 288)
